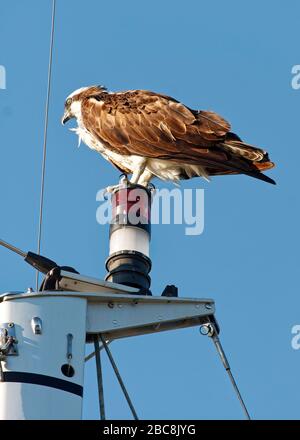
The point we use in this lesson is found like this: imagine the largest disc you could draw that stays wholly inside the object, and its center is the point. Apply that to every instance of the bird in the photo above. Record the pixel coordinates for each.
(148, 135)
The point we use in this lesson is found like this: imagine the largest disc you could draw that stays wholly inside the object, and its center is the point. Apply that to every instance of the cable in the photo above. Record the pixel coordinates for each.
(91, 355)
(225, 362)
(45, 136)
(238, 394)
(115, 368)
(99, 377)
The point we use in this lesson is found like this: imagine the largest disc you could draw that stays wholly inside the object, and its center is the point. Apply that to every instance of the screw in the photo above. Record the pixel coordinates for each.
(11, 324)
(208, 306)
(110, 305)
(29, 290)
(206, 330)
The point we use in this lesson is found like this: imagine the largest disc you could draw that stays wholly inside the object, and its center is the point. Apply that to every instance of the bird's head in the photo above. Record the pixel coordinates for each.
(74, 100)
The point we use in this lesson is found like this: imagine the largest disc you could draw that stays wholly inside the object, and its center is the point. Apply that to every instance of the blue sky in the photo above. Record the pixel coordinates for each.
(233, 57)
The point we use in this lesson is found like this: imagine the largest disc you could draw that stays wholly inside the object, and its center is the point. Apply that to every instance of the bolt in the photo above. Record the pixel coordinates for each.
(110, 305)
(29, 290)
(11, 324)
(206, 330)
(208, 306)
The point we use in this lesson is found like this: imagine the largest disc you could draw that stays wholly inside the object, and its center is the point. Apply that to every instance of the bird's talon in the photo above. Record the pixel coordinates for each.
(111, 189)
(105, 194)
(151, 187)
(123, 179)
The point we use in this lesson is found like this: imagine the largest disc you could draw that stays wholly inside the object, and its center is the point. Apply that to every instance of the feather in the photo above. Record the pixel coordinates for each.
(139, 123)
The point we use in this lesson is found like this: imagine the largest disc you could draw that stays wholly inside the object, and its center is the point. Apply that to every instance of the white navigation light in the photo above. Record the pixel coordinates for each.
(130, 232)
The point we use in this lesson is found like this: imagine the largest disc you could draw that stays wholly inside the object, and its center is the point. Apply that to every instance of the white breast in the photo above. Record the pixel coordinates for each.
(94, 143)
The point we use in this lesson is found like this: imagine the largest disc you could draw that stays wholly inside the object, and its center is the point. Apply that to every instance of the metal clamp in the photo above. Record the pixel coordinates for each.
(8, 343)
(8, 340)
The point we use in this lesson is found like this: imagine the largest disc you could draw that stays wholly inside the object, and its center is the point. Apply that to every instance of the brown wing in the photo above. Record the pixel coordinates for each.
(152, 125)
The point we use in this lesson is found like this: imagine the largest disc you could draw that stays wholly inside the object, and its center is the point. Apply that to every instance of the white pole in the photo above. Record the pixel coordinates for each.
(44, 380)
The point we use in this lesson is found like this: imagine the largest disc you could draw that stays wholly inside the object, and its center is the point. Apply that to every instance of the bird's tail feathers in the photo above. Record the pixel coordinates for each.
(256, 159)
(246, 151)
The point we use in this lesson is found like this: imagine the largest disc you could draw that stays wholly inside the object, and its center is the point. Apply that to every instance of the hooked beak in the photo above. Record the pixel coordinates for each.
(66, 117)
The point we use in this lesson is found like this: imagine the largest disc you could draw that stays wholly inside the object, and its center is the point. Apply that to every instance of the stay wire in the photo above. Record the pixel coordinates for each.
(225, 362)
(42, 190)
(118, 375)
(99, 377)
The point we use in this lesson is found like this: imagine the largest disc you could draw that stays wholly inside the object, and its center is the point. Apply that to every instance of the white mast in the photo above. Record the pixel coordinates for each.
(44, 378)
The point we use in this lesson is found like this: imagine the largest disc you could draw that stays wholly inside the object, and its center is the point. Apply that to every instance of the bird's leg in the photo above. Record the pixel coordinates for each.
(140, 176)
(139, 170)
(144, 178)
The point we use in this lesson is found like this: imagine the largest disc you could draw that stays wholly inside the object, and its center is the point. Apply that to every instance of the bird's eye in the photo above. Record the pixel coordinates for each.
(68, 101)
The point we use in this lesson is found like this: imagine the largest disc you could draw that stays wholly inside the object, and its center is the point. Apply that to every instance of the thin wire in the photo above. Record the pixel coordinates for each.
(115, 368)
(99, 377)
(225, 362)
(45, 136)
(91, 355)
(238, 394)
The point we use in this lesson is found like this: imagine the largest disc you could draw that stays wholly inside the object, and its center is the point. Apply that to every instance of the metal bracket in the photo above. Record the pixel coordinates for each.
(118, 311)
(69, 346)
(36, 325)
(124, 315)
(8, 340)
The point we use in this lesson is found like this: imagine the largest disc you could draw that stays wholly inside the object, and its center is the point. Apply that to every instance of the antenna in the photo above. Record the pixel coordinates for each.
(45, 135)
(39, 262)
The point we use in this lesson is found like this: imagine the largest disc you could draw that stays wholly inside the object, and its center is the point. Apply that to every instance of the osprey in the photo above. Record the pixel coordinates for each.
(150, 135)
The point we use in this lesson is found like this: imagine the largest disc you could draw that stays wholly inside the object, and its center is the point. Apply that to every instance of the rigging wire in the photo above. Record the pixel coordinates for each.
(99, 377)
(91, 355)
(214, 336)
(45, 136)
(118, 375)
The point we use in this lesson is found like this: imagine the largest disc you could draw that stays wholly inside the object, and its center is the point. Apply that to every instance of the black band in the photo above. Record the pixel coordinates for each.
(41, 379)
